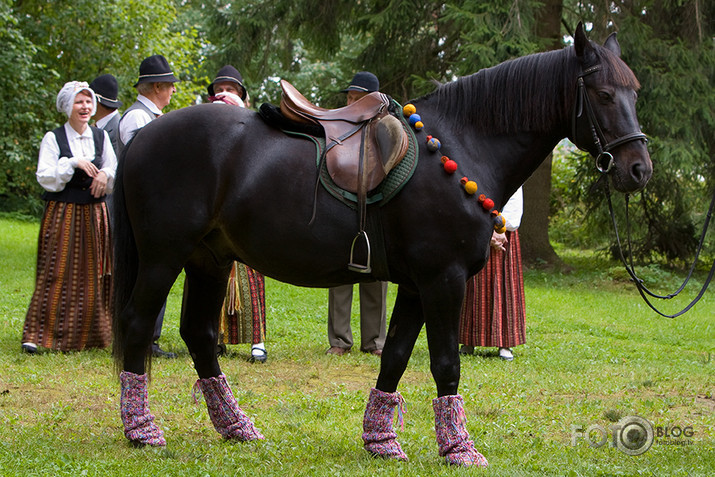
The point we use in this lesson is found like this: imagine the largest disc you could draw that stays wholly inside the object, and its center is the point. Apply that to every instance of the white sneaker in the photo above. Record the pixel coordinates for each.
(506, 354)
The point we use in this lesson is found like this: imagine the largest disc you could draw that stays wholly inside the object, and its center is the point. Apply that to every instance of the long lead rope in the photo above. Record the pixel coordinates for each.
(642, 289)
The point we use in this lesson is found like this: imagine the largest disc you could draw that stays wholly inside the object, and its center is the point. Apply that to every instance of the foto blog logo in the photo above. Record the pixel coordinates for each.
(632, 435)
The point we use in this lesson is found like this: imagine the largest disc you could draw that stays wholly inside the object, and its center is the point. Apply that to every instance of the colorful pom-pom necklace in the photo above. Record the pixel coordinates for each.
(450, 167)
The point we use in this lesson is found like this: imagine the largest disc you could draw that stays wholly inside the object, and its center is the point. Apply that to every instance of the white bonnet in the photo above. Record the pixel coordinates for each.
(65, 98)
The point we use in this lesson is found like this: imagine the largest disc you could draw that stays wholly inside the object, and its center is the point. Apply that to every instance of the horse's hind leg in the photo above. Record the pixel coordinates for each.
(203, 295)
(405, 324)
(137, 326)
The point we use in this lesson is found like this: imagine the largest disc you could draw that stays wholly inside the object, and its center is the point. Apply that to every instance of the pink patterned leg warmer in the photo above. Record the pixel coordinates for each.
(452, 436)
(228, 419)
(138, 421)
(379, 437)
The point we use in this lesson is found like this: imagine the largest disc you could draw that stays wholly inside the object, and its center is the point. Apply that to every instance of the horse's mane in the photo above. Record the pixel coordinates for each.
(519, 94)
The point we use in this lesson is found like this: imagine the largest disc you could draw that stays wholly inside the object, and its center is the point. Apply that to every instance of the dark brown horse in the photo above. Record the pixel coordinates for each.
(206, 185)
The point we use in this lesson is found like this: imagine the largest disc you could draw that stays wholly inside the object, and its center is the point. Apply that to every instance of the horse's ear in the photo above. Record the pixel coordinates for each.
(612, 44)
(580, 41)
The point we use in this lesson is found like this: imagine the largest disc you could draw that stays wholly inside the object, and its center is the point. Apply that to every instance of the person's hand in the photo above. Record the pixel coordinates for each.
(498, 241)
(87, 167)
(99, 185)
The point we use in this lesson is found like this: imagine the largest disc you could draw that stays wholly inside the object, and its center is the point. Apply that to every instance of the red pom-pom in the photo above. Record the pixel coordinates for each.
(450, 166)
(488, 204)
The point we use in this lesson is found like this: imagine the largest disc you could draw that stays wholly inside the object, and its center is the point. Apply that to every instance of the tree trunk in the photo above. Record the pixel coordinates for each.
(534, 231)
(536, 250)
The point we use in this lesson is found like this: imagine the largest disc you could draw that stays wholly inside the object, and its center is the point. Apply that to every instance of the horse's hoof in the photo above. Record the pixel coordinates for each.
(467, 459)
(396, 455)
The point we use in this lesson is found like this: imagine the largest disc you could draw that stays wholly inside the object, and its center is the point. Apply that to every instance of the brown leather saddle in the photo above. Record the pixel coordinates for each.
(363, 143)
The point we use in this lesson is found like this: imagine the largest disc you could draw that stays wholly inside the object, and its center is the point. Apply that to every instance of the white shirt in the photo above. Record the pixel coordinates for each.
(54, 172)
(136, 119)
(103, 122)
(513, 210)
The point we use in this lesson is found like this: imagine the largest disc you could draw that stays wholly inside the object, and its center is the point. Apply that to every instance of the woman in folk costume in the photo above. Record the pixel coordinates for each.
(70, 307)
(493, 313)
(243, 315)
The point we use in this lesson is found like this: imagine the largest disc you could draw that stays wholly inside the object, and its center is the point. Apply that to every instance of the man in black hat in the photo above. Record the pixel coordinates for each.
(228, 87)
(106, 88)
(155, 87)
(373, 296)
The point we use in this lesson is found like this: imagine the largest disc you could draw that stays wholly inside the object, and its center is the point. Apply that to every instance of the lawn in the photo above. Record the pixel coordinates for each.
(595, 355)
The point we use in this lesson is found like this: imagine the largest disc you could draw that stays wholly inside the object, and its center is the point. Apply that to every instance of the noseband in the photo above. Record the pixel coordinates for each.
(604, 160)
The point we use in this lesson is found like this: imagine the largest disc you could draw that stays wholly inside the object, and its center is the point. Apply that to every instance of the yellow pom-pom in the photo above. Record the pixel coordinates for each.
(500, 230)
(409, 110)
(419, 125)
(470, 187)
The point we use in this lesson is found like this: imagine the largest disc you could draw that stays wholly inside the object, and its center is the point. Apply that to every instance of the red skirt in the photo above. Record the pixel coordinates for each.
(70, 307)
(243, 315)
(493, 313)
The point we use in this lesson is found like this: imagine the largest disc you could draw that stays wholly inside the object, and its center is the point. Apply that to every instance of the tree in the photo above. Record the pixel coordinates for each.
(534, 230)
(47, 43)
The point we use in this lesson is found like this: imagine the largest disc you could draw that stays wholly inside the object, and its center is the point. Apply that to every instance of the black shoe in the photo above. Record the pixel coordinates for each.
(160, 353)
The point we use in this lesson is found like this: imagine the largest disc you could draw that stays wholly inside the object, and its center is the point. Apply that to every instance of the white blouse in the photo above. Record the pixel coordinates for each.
(513, 210)
(54, 172)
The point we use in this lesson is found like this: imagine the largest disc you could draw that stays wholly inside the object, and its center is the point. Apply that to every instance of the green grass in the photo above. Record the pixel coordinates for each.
(594, 354)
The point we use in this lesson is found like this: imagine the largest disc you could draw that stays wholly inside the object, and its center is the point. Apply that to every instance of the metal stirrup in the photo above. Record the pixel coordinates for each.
(356, 267)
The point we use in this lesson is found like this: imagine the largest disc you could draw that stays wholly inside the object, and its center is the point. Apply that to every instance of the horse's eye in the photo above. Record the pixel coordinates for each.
(604, 97)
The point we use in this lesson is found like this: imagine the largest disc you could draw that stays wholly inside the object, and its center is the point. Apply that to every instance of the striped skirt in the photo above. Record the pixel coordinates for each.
(70, 307)
(493, 313)
(243, 315)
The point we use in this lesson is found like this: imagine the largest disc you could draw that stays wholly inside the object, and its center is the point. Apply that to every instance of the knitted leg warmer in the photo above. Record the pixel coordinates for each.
(452, 436)
(139, 426)
(228, 419)
(379, 437)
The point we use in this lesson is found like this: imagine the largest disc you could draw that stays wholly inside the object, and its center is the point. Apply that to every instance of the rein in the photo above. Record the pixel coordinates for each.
(604, 163)
(642, 289)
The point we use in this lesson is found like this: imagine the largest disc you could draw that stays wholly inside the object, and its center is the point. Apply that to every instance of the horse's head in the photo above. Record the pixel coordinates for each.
(604, 117)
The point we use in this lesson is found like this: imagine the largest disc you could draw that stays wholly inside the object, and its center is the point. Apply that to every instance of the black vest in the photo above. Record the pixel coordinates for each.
(77, 189)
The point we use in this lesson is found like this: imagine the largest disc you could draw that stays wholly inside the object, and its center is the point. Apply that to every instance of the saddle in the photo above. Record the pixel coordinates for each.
(363, 141)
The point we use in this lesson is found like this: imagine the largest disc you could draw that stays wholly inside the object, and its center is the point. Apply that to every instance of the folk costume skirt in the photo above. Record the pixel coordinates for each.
(243, 315)
(493, 313)
(70, 307)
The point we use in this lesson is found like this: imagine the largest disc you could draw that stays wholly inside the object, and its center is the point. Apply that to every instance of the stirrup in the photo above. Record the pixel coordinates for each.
(356, 267)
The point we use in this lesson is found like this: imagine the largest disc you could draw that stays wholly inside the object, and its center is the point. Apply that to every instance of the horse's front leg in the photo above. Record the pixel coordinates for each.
(442, 307)
(405, 324)
(204, 292)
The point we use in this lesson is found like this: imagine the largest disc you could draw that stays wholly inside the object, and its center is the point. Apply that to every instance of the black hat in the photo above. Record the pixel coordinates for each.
(155, 69)
(228, 74)
(363, 81)
(105, 87)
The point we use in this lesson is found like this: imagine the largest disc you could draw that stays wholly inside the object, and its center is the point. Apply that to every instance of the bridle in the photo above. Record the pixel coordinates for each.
(604, 163)
(604, 159)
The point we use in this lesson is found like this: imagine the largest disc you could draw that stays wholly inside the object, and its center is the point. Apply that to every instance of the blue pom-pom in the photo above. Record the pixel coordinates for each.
(414, 118)
(433, 144)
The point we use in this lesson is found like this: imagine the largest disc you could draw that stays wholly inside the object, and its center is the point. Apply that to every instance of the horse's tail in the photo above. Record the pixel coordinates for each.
(126, 260)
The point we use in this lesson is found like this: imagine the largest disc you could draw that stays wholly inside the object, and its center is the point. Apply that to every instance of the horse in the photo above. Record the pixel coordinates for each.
(206, 185)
